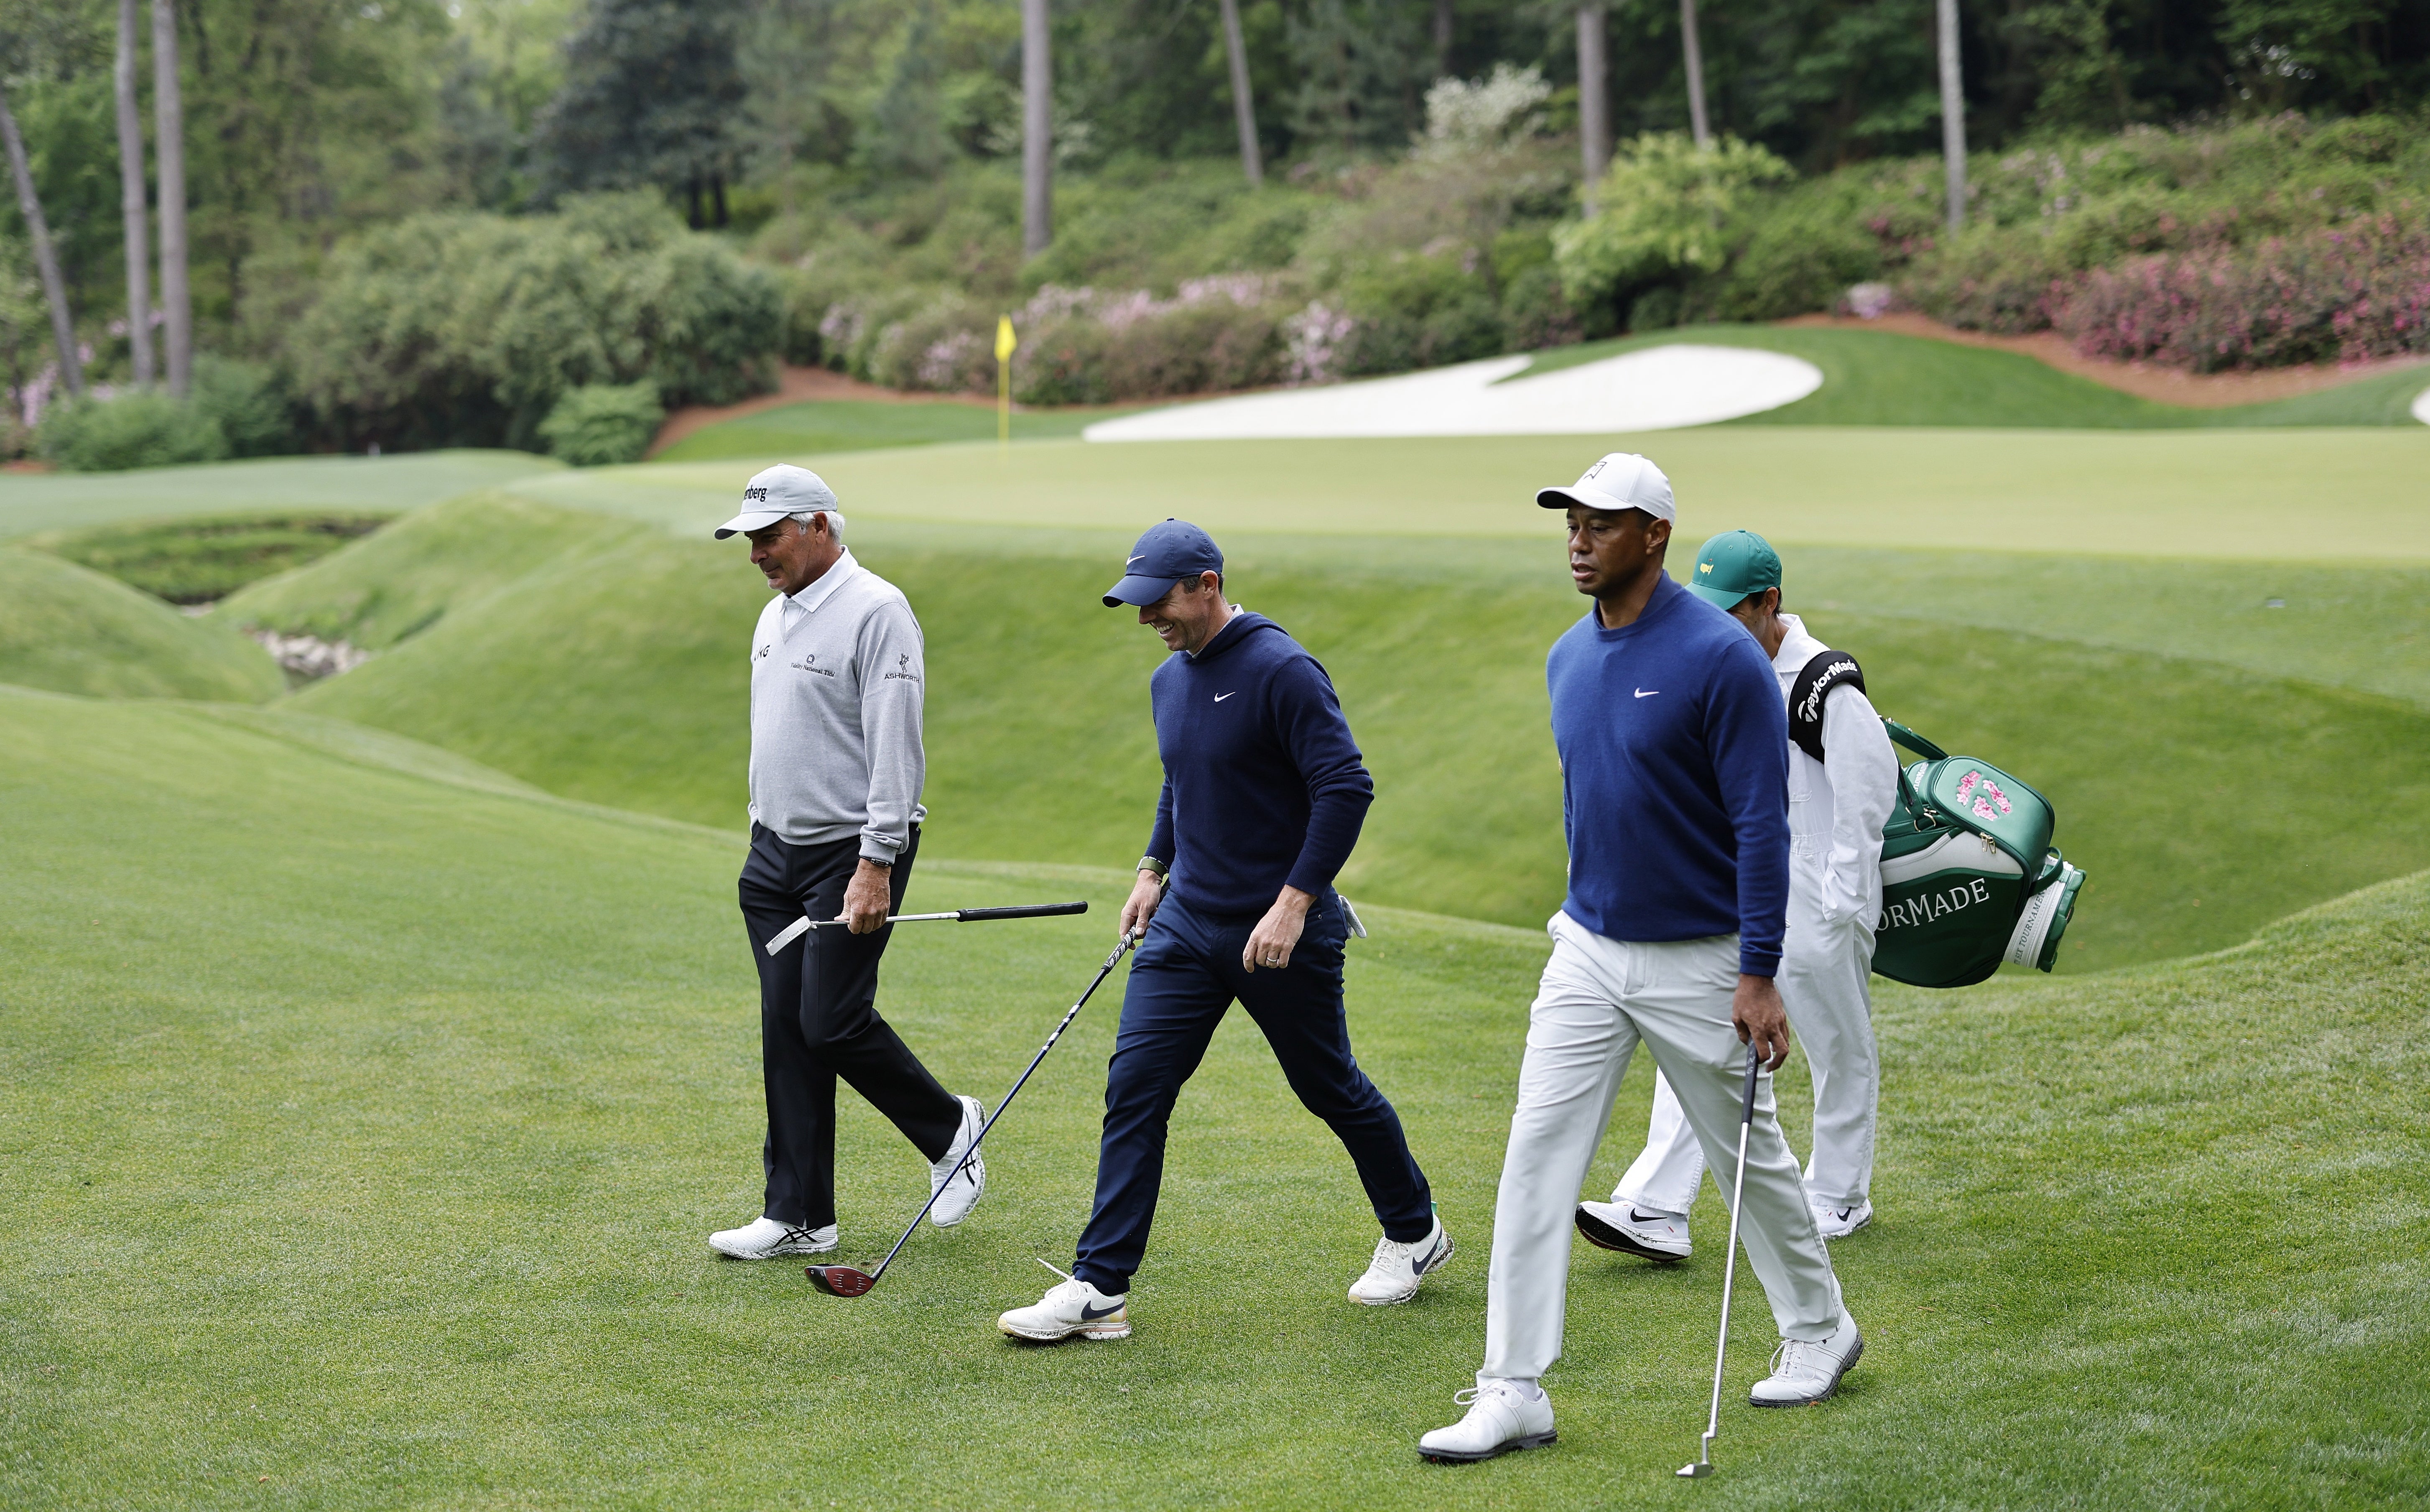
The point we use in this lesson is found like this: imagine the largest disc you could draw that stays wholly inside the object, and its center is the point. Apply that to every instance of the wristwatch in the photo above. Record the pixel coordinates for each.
(1163, 873)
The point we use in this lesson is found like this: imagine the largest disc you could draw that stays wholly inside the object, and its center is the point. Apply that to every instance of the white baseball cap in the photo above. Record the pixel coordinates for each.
(781, 491)
(1623, 480)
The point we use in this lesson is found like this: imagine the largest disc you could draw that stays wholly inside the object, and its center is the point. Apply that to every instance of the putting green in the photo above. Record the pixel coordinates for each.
(365, 1127)
(2339, 497)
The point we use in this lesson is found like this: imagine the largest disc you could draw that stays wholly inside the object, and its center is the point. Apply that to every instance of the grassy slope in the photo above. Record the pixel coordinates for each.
(2340, 497)
(2205, 801)
(72, 630)
(34, 502)
(857, 424)
(365, 1128)
(1884, 378)
(200, 562)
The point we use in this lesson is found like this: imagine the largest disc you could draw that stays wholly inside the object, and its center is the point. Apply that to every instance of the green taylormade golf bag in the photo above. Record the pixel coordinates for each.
(1969, 877)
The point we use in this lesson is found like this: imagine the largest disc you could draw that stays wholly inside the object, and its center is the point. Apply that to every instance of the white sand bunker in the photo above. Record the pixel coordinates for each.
(2421, 407)
(1655, 390)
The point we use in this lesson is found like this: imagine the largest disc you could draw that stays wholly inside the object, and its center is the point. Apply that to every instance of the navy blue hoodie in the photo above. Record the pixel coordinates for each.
(1263, 786)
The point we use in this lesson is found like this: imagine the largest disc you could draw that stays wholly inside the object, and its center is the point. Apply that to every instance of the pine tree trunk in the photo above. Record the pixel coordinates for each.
(1952, 114)
(1036, 131)
(1594, 101)
(1697, 125)
(1442, 38)
(46, 258)
(717, 199)
(1244, 112)
(169, 143)
(130, 184)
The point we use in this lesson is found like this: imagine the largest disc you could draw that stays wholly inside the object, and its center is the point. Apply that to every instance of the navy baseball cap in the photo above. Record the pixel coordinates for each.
(1167, 554)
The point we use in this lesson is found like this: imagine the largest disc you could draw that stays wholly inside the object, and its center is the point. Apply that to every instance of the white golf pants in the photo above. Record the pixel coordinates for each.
(1825, 976)
(1599, 998)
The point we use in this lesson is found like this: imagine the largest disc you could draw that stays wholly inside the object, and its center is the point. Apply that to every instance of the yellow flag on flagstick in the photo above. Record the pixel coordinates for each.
(1004, 342)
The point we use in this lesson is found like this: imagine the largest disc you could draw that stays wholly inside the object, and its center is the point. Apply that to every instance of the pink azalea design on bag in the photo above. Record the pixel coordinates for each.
(1985, 793)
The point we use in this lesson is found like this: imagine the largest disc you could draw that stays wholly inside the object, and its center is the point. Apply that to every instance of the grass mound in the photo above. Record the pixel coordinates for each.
(367, 484)
(365, 1128)
(71, 630)
(200, 562)
(2205, 800)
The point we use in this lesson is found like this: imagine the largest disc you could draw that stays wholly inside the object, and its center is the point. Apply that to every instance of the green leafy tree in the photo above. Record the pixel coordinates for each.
(653, 95)
(1666, 210)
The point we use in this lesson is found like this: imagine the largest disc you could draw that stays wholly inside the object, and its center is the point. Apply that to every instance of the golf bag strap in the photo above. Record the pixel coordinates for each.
(1815, 680)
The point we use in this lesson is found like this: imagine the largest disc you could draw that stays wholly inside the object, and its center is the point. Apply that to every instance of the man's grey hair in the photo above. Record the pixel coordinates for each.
(834, 521)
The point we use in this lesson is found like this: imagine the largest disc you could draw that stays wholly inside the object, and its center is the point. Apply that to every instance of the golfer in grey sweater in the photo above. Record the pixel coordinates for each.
(836, 769)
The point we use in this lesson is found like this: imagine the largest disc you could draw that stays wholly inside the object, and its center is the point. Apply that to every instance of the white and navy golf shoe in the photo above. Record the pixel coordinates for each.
(1073, 1307)
(1634, 1230)
(1502, 1416)
(764, 1239)
(962, 1194)
(1805, 1372)
(1839, 1223)
(1397, 1270)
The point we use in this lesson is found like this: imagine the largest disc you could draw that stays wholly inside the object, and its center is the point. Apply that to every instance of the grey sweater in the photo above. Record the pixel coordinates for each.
(835, 714)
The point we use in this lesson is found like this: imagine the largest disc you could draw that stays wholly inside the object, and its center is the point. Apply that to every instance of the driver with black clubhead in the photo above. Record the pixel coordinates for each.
(1673, 747)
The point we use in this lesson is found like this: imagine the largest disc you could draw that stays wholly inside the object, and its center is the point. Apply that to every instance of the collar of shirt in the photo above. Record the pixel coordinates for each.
(800, 606)
(1797, 648)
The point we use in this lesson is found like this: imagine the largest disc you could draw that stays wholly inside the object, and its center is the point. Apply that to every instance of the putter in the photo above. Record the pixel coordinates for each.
(961, 916)
(851, 1281)
(1703, 1463)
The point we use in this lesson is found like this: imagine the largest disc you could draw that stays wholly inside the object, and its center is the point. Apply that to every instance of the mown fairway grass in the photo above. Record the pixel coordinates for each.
(859, 424)
(71, 630)
(364, 1128)
(2205, 800)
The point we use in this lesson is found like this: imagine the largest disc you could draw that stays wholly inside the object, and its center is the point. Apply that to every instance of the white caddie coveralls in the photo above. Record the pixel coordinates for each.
(1836, 812)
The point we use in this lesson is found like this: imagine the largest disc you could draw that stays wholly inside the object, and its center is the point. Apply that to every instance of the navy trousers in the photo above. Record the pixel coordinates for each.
(818, 1021)
(1184, 978)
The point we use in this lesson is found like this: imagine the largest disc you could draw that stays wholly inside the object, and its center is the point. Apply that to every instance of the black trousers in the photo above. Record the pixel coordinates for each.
(818, 1021)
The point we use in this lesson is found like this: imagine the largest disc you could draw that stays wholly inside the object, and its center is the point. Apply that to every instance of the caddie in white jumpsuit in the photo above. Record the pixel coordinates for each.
(1675, 797)
(1842, 785)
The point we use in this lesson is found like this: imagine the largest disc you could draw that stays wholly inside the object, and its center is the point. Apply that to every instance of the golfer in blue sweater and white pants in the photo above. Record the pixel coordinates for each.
(1674, 745)
(1264, 793)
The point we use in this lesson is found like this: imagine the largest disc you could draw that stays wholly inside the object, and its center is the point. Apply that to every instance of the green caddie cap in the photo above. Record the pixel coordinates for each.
(1733, 565)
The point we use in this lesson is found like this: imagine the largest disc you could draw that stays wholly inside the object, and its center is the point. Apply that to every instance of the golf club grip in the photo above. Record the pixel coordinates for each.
(1754, 1064)
(1032, 911)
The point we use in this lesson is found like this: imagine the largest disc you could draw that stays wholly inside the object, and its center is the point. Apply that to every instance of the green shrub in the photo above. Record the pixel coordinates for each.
(1667, 209)
(200, 562)
(143, 429)
(250, 403)
(1418, 311)
(602, 424)
(467, 329)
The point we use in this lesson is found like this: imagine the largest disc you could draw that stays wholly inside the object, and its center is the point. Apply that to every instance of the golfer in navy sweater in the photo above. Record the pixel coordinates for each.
(1674, 793)
(1264, 793)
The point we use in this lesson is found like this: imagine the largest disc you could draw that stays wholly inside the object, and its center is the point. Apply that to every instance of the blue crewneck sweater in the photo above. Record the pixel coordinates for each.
(1263, 786)
(1675, 777)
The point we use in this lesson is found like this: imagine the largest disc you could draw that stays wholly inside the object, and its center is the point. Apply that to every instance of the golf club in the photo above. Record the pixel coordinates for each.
(961, 916)
(850, 1281)
(1703, 1463)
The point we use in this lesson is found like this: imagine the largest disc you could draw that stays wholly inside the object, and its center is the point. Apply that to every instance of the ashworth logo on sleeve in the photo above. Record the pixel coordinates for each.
(902, 671)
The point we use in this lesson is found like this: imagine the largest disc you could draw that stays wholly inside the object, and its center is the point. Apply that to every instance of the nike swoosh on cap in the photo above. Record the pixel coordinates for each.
(1089, 1315)
(1142, 556)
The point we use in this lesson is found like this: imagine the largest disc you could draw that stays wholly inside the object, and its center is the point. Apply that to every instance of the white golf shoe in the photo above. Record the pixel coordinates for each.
(1072, 1306)
(1501, 1417)
(1634, 1230)
(1804, 1373)
(1839, 1223)
(963, 1194)
(1397, 1270)
(764, 1239)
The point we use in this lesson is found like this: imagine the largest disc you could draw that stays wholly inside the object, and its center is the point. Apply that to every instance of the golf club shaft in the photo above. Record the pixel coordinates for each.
(1070, 1014)
(1730, 1265)
(961, 916)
